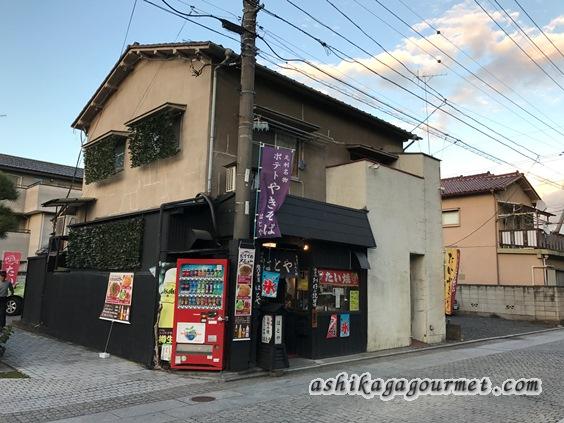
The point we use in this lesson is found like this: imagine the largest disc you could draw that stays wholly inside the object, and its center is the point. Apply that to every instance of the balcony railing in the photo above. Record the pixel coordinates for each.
(531, 238)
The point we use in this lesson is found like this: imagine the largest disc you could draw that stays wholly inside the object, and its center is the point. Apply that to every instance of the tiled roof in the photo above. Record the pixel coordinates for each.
(475, 184)
(23, 164)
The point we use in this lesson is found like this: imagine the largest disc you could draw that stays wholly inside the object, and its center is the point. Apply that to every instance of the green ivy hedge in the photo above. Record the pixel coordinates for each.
(106, 246)
(99, 159)
(153, 138)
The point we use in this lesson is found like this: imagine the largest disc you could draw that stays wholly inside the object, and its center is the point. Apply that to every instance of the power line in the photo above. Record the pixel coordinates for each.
(517, 44)
(480, 67)
(128, 26)
(471, 148)
(437, 94)
(540, 29)
(528, 37)
(456, 141)
(478, 77)
(339, 53)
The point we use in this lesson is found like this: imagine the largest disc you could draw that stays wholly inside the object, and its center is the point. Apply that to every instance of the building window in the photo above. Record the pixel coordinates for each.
(230, 178)
(338, 291)
(155, 135)
(104, 156)
(451, 217)
(119, 155)
(278, 138)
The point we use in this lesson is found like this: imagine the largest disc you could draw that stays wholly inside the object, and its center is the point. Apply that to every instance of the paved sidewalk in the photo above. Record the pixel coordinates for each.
(67, 379)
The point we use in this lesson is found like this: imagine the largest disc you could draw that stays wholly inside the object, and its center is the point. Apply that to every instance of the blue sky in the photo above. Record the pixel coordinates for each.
(57, 52)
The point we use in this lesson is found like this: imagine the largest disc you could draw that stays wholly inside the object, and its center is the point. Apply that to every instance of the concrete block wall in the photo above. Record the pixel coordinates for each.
(513, 302)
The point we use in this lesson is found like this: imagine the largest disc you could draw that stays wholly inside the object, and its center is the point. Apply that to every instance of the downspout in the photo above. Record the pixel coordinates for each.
(212, 129)
(496, 229)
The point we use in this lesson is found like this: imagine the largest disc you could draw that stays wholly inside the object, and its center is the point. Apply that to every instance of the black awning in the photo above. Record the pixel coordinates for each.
(310, 219)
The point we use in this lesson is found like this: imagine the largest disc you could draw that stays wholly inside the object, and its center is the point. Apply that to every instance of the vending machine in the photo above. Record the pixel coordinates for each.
(199, 314)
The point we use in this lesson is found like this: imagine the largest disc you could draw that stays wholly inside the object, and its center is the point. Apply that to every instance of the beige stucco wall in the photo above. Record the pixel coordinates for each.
(517, 269)
(316, 155)
(405, 217)
(151, 84)
(478, 263)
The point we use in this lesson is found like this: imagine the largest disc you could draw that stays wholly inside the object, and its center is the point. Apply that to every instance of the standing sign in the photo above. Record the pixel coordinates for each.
(11, 264)
(117, 305)
(275, 176)
(244, 294)
(452, 264)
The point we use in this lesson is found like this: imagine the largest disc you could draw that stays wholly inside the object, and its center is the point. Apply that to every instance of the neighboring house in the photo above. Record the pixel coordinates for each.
(162, 131)
(502, 234)
(36, 182)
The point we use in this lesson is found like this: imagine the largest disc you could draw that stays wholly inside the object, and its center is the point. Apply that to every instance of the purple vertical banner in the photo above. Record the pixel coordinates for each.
(275, 176)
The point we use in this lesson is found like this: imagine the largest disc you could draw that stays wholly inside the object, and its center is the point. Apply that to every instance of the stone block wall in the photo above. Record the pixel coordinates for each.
(513, 302)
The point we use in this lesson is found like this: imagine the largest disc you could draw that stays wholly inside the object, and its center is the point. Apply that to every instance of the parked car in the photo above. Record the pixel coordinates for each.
(14, 305)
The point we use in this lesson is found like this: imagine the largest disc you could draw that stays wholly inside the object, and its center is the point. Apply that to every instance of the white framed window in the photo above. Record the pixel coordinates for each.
(451, 217)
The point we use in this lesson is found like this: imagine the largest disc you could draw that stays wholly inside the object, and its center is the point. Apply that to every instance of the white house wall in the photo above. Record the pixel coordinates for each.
(405, 216)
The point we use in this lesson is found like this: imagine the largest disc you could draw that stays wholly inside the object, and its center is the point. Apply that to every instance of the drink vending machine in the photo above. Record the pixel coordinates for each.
(199, 314)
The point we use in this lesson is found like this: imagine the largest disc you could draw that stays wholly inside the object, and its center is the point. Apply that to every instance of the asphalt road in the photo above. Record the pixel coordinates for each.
(73, 385)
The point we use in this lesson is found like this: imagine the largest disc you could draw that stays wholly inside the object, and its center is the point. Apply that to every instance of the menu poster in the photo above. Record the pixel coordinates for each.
(353, 301)
(344, 325)
(242, 328)
(244, 294)
(117, 305)
(332, 329)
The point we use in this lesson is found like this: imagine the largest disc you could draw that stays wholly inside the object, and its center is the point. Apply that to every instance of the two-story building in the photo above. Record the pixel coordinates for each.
(36, 182)
(160, 175)
(502, 235)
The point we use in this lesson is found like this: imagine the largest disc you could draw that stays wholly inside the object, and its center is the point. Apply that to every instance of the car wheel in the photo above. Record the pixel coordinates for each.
(13, 306)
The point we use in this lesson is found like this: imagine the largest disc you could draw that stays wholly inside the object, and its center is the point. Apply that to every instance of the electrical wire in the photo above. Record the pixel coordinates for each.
(528, 37)
(480, 67)
(340, 54)
(518, 45)
(456, 141)
(540, 29)
(435, 93)
(478, 77)
(128, 26)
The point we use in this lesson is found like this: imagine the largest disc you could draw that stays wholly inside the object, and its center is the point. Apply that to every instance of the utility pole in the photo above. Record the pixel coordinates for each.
(241, 228)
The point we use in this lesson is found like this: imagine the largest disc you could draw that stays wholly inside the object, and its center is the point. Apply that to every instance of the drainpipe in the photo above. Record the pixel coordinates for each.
(212, 129)
(228, 57)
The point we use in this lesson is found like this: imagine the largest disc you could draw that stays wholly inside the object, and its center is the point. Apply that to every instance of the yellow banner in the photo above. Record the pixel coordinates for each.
(452, 264)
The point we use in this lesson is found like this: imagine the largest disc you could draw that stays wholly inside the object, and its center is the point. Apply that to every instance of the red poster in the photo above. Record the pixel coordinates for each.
(338, 277)
(332, 329)
(11, 264)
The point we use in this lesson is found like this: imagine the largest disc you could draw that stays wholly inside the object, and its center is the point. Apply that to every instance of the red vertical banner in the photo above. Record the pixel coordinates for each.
(11, 264)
